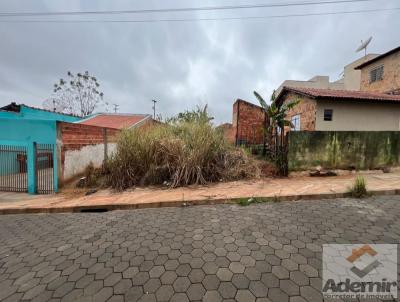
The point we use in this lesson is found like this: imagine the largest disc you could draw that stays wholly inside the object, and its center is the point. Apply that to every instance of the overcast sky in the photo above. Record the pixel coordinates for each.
(182, 64)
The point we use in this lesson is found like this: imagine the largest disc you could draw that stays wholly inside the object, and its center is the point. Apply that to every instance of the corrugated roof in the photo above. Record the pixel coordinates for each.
(341, 94)
(116, 121)
(378, 58)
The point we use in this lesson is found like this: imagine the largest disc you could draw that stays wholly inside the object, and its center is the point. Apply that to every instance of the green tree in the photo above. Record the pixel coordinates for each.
(275, 130)
(198, 115)
(276, 113)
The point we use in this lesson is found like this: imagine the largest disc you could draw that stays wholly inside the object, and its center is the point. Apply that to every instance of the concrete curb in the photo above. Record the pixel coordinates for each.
(112, 207)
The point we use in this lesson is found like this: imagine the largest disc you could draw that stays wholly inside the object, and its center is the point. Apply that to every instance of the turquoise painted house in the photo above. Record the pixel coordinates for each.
(28, 138)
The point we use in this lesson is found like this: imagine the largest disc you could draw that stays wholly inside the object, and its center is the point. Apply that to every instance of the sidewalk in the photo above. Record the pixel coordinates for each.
(285, 189)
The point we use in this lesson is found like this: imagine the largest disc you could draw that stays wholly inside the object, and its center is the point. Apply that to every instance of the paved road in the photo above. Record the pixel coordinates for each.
(263, 252)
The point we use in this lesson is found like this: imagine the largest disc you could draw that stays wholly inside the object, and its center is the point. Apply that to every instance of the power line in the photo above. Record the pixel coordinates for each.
(184, 9)
(208, 19)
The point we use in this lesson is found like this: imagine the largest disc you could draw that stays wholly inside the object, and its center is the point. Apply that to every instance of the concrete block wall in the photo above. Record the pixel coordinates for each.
(343, 149)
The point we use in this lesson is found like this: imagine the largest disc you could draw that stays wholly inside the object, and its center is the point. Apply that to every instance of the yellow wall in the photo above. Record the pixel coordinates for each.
(358, 116)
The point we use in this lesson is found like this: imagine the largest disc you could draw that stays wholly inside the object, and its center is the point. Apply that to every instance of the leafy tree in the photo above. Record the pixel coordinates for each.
(276, 113)
(79, 94)
(198, 115)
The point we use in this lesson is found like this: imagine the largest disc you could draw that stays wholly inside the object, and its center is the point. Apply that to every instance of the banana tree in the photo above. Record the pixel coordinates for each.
(276, 113)
(276, 127)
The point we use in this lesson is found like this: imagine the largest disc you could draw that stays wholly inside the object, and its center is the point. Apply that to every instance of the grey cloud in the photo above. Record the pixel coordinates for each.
(183, 64)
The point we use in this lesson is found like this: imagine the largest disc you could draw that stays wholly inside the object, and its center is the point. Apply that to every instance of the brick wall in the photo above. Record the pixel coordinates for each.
(248, 123)
(76, 136)
(307, 109)
(228, 132)
(391, 75)
(78, 145)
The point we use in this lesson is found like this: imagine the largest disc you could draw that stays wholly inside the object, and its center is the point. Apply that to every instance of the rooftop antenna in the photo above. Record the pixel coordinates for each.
(116, 106)
(154, 108)
(364, 46)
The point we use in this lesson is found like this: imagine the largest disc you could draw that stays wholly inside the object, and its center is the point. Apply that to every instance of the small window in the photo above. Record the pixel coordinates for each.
(328, 114)
(376, 74)
(296, 122)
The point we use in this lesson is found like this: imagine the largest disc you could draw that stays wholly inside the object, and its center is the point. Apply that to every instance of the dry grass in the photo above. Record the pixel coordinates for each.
(176, 154)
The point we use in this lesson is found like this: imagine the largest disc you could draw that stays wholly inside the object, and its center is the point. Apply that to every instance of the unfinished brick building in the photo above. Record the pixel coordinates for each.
(248, 123)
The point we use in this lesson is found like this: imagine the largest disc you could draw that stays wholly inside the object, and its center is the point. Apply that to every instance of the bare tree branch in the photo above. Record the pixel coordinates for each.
(78, 95)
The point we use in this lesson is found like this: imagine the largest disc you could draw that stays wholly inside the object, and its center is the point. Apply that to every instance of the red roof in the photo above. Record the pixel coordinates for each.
(116, 121)
(341, 94)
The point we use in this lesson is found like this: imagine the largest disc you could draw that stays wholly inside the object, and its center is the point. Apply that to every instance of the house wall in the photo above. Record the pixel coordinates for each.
(79, 145)
(28, 130)
(24, 132)
(391, 75)
(351, 76)
(358, 116)
(343, 149)
(319, 82)
(248, 123)
(306, 108)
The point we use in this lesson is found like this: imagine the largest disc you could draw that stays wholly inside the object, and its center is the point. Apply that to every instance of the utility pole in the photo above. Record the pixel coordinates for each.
(115, 107)
(154, 108)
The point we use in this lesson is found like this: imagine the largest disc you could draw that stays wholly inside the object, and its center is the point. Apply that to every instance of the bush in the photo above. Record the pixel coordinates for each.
(359, 188)
(178, 154)
(92, 177)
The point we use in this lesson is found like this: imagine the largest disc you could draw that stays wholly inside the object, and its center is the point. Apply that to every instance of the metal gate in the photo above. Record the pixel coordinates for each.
(44, 168)
(13, 168)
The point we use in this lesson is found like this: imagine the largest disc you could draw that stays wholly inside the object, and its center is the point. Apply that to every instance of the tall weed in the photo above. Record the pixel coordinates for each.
(178, 154)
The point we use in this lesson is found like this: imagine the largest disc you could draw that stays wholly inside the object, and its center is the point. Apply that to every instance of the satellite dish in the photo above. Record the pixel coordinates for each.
(364, 45)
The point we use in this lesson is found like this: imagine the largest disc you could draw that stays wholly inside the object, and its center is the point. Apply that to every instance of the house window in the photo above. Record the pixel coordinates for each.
(328, 114)
(296, 122)
(376, 74)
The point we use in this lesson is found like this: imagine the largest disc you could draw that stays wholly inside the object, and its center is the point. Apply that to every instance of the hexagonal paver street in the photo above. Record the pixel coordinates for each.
(262, 252)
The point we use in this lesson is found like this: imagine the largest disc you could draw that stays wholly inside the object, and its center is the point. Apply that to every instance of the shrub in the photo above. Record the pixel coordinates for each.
(92, 177)
(179, 154)
(359, 188)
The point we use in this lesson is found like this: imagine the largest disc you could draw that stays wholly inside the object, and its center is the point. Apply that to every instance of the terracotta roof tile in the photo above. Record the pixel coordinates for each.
(116, 121)
(342, 94)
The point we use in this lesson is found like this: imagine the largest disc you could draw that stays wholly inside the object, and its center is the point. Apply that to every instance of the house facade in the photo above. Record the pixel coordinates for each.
(382, 73)
(369, 102)
(28, 137)
(41, 149)
(340, 110)
(350, 80)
